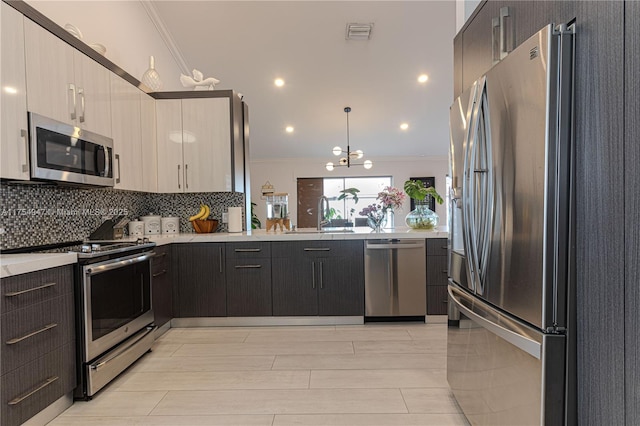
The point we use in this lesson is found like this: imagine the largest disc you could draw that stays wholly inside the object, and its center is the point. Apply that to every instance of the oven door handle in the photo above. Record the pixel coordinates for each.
(117, 263)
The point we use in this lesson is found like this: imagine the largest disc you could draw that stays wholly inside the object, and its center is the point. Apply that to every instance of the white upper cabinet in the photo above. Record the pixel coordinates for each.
(14, 153)
(194, 145)
(149, 148)
(126, 133)
(169, 143)
(63, 83)
(93, 96)
(206, 144)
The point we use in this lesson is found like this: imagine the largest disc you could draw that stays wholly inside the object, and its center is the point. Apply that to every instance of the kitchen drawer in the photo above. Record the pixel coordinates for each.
(436, 246)
(34, 386)
(249, 287)
(315, 249)
(248, 250)
(437, 270)
(24, 290)
(437, 300)
(31, 332)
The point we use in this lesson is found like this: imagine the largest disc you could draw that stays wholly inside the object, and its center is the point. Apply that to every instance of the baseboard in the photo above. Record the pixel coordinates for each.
(264, 321)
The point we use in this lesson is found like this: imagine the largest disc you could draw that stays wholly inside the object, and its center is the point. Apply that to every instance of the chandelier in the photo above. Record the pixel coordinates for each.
(349, 156)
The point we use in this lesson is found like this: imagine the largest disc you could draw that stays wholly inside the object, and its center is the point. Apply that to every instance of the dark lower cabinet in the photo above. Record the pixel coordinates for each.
(318, 278)
(248, 267)
(162, 285)
(437, 299)
(38, 356)
(199, 286)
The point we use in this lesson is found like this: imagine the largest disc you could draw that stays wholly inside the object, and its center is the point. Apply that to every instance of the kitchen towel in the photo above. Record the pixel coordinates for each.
(235, 219)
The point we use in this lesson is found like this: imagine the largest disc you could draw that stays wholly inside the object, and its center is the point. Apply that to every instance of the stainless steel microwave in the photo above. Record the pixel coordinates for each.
(67, 154)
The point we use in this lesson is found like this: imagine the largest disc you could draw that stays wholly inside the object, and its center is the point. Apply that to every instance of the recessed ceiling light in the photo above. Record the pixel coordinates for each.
(279, 82)
(289, 129)
(423, 78)
(404, 126)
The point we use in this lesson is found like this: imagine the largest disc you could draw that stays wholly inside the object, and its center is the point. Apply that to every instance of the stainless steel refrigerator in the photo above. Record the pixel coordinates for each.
(510, 351)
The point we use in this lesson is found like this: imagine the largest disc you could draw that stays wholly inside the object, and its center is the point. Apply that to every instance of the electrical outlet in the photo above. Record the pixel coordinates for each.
(225, 217)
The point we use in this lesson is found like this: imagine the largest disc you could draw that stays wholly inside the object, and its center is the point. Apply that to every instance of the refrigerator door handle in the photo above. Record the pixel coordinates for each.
(495, 322)
(469, 193)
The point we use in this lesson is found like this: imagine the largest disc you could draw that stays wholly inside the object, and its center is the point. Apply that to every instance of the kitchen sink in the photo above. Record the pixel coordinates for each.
(320, 231)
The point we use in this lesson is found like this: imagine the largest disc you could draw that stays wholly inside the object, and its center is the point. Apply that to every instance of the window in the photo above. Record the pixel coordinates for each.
(347, 210)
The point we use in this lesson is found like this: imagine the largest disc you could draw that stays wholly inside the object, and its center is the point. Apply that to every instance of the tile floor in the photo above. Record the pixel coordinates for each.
(373, 374)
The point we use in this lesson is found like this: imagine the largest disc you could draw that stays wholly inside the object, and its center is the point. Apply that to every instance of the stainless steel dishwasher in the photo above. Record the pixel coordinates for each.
(395, 278)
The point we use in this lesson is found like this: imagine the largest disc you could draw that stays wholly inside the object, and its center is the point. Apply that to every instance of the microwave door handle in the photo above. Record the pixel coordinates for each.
(117, 157)
(107, 161)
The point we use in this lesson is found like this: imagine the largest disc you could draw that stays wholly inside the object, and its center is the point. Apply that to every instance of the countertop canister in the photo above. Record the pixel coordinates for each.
(235, 219)
(170, 225)
(151, 224)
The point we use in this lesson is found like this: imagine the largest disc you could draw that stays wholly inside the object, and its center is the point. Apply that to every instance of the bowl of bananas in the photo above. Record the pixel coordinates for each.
(201, 222)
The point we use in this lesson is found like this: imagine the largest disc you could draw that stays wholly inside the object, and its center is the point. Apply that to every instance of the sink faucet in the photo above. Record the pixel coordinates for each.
(322, 213)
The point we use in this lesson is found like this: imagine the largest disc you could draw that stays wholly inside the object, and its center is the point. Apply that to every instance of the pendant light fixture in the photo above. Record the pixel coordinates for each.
(350, 156)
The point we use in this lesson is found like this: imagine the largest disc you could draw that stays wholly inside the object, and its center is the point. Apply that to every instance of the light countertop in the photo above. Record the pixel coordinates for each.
(306, 234)
(16, 264)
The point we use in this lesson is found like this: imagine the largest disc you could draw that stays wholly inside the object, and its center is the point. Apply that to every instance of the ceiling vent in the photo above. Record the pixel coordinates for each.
(358, 31)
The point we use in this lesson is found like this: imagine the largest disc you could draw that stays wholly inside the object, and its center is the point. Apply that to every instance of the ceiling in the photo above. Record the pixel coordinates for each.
(248, 44)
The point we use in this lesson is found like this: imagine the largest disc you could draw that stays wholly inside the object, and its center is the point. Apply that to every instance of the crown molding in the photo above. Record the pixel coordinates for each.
(166, 36)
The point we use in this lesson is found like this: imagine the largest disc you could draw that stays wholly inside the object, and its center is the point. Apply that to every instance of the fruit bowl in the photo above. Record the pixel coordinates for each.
(205, 226)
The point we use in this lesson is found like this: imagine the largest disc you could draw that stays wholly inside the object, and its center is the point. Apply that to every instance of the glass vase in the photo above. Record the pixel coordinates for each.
(377, 222)
(422, 217)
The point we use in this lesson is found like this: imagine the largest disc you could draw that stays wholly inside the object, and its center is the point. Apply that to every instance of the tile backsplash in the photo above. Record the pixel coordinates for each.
(41, 214)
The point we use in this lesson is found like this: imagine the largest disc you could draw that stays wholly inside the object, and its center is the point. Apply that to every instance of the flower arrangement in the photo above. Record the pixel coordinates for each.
(390, 198)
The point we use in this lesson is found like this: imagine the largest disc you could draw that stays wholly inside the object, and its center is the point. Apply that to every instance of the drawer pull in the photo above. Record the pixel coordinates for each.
(247, 250)
(445, 301)
(444, 247)
(18, 293)
(445, 271)
(20, 339)
(317, 249)
(164, 271)
(18, 400)
(248, 266)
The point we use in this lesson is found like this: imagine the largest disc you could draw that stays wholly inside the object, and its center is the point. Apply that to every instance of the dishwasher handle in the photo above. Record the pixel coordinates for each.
(413, 245)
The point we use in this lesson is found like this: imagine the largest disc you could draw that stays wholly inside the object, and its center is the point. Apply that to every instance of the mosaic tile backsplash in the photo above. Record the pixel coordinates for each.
(33, 215)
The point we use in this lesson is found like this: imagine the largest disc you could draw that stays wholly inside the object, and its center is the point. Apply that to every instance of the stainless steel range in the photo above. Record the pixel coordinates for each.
(114, 315)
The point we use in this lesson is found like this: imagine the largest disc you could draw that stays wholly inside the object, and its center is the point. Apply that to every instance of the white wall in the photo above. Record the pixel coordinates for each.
(124, 28)
(282, 174)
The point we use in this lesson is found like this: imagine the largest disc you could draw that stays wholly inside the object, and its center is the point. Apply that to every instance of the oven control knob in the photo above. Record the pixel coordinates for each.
(86, 248)
(95, 247)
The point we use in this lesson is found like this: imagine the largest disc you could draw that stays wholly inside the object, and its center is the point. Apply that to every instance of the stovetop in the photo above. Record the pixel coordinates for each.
(93, 249)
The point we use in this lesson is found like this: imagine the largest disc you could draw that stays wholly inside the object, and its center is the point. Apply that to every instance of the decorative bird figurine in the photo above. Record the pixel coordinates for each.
(198, 82)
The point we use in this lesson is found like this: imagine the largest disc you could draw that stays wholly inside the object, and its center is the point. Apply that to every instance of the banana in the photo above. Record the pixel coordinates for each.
(207, 212)
(200, 213)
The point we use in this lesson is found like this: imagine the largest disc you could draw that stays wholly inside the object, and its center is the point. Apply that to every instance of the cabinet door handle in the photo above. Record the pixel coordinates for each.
(444, 247)
(320, 275)
(445, 271)
(221, 259)
(179, 176)
(317, 249)
(72, 89)
(248, 266)
(117, 157)
(313, 274)
(504, 50)
(43, 385)
(81, 94)
(495, 40)
(18, 293)
(25, 141)
(164, 271)
(186, 176)
(247, 250)
(26, 336)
